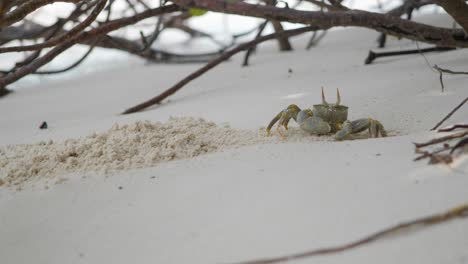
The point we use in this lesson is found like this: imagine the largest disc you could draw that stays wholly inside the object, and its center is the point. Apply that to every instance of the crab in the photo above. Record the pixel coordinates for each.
(326, 119)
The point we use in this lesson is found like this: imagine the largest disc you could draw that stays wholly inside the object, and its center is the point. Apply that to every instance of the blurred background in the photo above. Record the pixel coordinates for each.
(218, 32)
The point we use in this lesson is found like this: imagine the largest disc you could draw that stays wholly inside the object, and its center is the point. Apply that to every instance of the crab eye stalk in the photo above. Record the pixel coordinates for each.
(323, 98)
(338, 97)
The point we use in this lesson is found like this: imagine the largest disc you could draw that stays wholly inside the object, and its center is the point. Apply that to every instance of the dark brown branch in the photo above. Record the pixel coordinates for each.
(441, 75)
(315, 39)
(459, 144)
(453, 127)
(441, 139)
(4, 91)
(452, 214)
(322, 4)
(283, 42)
(450, 114)
(407, 8)
(449, 71)
(24, 31)
(458, 9)
(324, 20)
(374, 55)
(78, 62)
(56, 40)
(101, 30)
(427, 154)
(252, 49)
(226, 55)
(25, 9)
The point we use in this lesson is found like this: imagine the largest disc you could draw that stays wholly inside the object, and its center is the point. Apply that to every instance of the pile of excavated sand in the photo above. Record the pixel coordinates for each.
(142, 144)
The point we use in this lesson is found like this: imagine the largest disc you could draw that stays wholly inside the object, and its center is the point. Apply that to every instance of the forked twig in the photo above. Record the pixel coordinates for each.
(451, 214)
(441, 73)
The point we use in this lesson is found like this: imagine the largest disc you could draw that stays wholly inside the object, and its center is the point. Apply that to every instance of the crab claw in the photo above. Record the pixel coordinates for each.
(284, 116)
(272, 122)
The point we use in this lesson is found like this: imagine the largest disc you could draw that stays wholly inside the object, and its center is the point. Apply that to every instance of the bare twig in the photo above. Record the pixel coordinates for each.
(441, 139)
(459, 144)
(224, 56)
(54, 41)
(324, 20)
(442, 71)
(374, 55)
(458, 9)
(315, 39)
(407, 8)
(78, 62)
(451, 128)
(101, 30)
(252, 49)
(450, 114)
(399, 229)
(28, 7)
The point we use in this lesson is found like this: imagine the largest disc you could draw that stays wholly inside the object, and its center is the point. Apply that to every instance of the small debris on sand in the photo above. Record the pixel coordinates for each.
(43, 125)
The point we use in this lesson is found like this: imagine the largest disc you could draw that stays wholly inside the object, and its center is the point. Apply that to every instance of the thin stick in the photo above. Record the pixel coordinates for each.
(450, 114)
(226, 55)
(93, 33)
(374, 55)
(441, 73)
(448, 71)
(442, 139)
(451, 214)
(59, 39)
(427, 154)
(451, 128)
(252, 49)
(75, 64)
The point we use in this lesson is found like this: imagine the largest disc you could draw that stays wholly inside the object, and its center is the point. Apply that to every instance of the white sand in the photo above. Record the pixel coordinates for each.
(255, 201)
(141, 144)
(138, 145)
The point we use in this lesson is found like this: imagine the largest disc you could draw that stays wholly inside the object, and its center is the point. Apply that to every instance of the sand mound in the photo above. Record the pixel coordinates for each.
(142, 144)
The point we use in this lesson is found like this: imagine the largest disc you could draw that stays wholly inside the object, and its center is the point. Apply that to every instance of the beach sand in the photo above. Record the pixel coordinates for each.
(245, 196)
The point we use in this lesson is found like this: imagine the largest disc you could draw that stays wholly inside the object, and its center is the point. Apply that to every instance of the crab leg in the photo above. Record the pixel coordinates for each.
(375, 128)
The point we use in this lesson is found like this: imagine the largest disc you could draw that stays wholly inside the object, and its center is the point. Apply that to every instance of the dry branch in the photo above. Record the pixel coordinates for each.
(399, 229)
(226, 55)
(91, 34)
(374, 55)
(324, 20)
(25, 9)
(453, 127)
(59, 39)
(458, 9)
(252, 49)
(441, 139)
(75, 64)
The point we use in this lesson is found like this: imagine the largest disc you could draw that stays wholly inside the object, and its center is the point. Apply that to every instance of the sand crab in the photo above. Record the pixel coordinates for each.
(327, 118)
